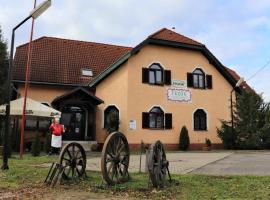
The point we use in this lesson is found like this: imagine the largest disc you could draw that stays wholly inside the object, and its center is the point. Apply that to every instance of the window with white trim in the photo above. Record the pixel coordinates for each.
(198, 79)
(200, 120)
(156, 118)
(156, 75)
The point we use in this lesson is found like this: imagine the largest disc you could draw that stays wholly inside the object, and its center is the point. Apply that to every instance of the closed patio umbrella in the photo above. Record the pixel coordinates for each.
(33, 108)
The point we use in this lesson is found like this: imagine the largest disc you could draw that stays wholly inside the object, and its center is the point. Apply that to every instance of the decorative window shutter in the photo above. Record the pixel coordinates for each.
(145, 75)
(168, 120)
(167, 77)
(209, 82)
(189, 79)
(145, 120)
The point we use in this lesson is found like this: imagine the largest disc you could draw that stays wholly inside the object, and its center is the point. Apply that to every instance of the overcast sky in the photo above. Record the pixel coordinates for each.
(236, 32)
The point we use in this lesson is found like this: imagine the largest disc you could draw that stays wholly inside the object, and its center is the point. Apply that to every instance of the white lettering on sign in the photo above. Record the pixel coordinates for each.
(180, 95)
(179, 84)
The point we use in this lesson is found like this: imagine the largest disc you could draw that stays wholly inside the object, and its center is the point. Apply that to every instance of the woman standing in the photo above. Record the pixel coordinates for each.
(56, 129)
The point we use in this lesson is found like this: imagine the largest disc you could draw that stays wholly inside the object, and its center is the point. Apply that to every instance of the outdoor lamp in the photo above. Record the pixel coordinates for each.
(40, 9)
(36, 12)
(239, 82)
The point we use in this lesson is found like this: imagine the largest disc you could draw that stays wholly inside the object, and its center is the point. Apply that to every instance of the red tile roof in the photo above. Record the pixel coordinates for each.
(168, 35)
(60, 61)
(244, 85)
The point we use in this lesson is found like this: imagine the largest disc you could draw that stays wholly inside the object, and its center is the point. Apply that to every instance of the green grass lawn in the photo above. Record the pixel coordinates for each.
(28, 173)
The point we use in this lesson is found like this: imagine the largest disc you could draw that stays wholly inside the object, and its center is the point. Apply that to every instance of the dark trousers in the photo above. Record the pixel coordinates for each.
(54, 150)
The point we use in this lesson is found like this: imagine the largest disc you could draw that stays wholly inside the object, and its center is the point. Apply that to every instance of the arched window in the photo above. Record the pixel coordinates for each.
(156, 118)
(111, 118)
(200, 120)
(155, 74)
(198, 78)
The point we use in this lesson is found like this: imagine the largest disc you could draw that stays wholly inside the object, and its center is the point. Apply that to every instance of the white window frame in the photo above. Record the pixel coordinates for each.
(207, 125)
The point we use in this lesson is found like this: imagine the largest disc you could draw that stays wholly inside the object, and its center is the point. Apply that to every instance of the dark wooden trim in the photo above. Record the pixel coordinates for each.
(202, 48)
(50, 83)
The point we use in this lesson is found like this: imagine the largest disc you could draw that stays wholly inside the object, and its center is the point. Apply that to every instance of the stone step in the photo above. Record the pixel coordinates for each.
(85, 144)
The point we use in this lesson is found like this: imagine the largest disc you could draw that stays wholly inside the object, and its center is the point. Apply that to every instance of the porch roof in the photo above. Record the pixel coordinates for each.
(80, 92)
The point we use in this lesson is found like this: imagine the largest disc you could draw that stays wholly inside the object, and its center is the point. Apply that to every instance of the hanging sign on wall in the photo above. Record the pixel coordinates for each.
(179, 92)
(179, 84)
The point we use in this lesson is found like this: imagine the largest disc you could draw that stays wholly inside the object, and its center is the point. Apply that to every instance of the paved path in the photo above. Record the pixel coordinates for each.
(239, 163)
(180, 162)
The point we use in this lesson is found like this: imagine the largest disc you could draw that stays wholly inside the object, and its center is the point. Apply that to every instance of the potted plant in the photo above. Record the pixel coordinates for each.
(208, 144)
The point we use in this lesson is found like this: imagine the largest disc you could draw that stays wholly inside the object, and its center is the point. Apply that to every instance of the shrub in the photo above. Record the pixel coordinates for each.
(47, 142)
(228, 138)
(36, 146)
(184, 139)
(113, 122)
(208, 142)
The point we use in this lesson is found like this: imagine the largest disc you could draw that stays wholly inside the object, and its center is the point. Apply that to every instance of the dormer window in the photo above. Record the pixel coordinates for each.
(87, 72)
(198, 79)
(156, 75)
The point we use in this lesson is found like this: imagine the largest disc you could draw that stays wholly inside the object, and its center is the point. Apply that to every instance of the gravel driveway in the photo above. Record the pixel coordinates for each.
(239, 163)
(180, 162)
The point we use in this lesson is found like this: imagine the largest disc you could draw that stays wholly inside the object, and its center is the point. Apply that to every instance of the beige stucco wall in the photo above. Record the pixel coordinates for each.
(42, 93)
(113, 90)
(125, 89)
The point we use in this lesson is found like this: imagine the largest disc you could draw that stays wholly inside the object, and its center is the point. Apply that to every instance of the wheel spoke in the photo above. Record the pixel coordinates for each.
(117, 146)
(73, 150)
(69, 154)
(116, 173)
(67, 174)
(113, 172)
(66, 159)
(110, 167)
(77, 153)
(78, 172)
(72, 171)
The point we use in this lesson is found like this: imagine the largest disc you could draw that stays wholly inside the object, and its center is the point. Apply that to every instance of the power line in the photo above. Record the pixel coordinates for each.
(264, 66)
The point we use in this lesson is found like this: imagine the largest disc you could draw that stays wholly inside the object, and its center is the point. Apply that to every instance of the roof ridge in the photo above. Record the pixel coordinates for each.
(174, 32)
(155, 33)
(73, 40)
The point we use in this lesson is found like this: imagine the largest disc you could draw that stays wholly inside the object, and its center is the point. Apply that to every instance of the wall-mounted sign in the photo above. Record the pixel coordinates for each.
(132, 124)
(179, 95)
(179, 84)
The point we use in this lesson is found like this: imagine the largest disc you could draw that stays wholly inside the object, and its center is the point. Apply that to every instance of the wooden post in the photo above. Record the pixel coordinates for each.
(146, 159)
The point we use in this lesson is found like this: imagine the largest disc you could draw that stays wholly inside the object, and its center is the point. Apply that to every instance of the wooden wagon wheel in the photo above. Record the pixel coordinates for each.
(73, 159)
(115, 159)
(158, 165)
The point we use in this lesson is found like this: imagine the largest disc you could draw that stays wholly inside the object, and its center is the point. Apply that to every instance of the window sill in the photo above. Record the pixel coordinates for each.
(156, 128)
(156, 84)
(200, 130)
(198, 88)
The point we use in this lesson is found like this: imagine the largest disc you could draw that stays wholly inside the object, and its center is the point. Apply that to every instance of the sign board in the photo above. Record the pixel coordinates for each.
(132, 124)
(179, 95)
(179, 84)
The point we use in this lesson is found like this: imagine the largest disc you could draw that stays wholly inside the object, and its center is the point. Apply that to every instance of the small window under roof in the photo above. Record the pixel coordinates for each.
(87, 72)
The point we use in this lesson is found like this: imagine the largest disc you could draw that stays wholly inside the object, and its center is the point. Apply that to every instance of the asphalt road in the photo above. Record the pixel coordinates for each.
(239, 163)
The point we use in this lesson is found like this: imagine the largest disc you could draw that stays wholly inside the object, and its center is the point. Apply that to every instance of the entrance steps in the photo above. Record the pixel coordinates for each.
(86, 144)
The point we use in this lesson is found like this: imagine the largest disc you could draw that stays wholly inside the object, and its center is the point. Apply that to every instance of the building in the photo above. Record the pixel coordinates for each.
(165, 82)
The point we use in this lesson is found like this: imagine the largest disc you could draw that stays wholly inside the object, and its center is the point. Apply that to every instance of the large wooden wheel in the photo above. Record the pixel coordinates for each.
(158, 165)
(115, 159)
(73, 159)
